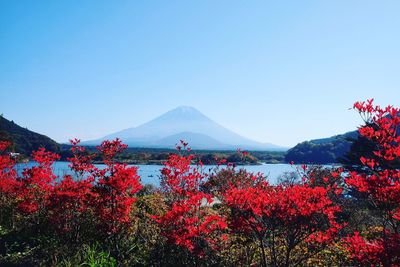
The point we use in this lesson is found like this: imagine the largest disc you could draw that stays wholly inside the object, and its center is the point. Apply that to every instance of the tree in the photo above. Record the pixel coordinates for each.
(379, 185)
(190, 221)
(290, 223)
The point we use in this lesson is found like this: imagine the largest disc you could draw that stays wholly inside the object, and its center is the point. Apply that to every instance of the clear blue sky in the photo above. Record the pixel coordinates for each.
(275, 71)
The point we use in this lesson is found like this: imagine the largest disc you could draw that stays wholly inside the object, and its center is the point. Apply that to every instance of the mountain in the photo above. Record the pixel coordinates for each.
(199, 141)
(24, 141)
(322, 151)
(185, 123)
(344, 148)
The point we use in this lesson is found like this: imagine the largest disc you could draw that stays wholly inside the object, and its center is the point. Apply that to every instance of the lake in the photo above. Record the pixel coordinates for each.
(150, 173)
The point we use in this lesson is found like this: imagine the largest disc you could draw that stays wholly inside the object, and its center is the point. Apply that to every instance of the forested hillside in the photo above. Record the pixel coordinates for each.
(24, 141)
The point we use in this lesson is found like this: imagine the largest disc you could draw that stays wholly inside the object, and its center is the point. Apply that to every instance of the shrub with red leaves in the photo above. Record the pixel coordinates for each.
(9, 185)
(96, 197)
(113, 193)
(206, 216)
(190, 222)
(8, 174)
(284, 220)
(379, 186)
(38, 183)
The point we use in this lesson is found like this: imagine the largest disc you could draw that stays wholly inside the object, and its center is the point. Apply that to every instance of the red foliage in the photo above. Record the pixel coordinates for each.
(109, 149)
(189, 221)
(375, 251)
(282, 218)
(108, 194)
(114, 192)
(8, 175)
(70, 200)
(81, 162)
(296, 206)
(38, 182)
(301, 214)
(379, 184)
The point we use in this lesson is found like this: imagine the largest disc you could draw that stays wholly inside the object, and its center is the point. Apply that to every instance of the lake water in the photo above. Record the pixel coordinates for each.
(150, 173)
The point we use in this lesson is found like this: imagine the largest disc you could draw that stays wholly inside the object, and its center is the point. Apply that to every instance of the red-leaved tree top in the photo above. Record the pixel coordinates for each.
(189, 222)
(379, 185)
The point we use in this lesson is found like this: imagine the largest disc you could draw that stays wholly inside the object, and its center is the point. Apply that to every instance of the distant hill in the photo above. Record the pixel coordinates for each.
(322, 151)
(345, 148)
(24, 141)
(189, 124)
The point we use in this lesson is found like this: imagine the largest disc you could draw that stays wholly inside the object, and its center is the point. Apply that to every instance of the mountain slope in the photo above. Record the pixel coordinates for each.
(24, 141)
(322, 151)
(184, 120)
(345, 148)
(198, 141)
